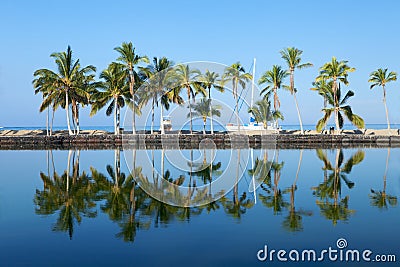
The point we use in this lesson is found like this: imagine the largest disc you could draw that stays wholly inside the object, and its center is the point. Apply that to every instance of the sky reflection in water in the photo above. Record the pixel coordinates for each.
(96, 213)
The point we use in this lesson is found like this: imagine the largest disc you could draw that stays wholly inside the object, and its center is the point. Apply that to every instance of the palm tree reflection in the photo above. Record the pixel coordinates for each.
(293, 221)
(381, 199)
(332, 206)
(69, 195)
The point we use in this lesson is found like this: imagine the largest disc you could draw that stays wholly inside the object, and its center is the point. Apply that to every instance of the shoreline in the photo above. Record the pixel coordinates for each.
(95, 139)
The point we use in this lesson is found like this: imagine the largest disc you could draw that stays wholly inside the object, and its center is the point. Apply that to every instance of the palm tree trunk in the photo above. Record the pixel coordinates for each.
(386, 168)
(132, 81)
(237, 113)
(236, 96)
(118, 119)
(190, 112)
(52, 120)
(298, 167)
(161, 119)
(68, 169)
(337, 121)
(336, 102)
(336, 181)
(67, 111)
(134, 160)
(116, 166)
(211, 168)
(236, 187)
(211, 115)
(115, 117)
(77, 119)
(47, 122)
(152, 116)
(298, 113)
(386, 109)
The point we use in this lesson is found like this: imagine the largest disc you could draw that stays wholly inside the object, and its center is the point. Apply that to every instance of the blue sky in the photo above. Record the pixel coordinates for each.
(362, 32)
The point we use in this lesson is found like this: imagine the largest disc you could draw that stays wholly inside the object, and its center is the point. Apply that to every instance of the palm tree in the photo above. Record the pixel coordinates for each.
(203, 110)
(130, 59)
(115, 92)
(43, 84)
(380, 77)
(292, 57)
(381, 199)
(211, 80)
(156, 86)
(335, 71)
(238, 76)
(262, 112)
(274, 80)
(185, 77)
(338, 105)
(321, 86)
(71, 82)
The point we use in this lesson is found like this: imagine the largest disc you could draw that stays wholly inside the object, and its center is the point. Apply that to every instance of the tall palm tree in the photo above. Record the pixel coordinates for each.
(335, 71)
(156, 87)
(130, 59)
(262, 112)
(381, 199)
(87, 86)
(115, 91)
(71, 82)
(238, 76)
(338, 105)
(211, 80)
(380, 77)
(274, 81)
(186, 78)
(43, 84)
(203, 109)
(292, 57)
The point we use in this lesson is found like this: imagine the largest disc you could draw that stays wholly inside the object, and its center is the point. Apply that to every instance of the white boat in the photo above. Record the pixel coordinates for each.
(252, 125)
(167, 123)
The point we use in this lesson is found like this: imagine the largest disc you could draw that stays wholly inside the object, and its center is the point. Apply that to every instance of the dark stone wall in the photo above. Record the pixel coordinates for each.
(181, 141)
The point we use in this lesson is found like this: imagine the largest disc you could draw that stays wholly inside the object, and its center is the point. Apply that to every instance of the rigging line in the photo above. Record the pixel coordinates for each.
(240, 97)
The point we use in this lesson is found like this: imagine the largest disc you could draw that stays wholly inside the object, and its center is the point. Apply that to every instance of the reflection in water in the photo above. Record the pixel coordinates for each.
(379, 198)
(70, 195)
(274, 197)
(76, 194)
(293, 222)
(332, 206)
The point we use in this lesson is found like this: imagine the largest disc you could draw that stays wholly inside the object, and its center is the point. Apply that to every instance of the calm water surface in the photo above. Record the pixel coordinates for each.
(88, 208)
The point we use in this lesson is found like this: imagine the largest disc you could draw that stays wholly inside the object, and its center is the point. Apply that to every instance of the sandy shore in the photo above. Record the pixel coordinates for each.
(380, 132)
(43, 132)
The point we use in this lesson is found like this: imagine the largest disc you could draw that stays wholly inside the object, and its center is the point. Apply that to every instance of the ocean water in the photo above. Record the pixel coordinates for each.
(113, 208)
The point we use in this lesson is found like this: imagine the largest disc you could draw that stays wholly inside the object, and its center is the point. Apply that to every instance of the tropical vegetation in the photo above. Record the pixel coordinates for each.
(128, 82)
(381, 77)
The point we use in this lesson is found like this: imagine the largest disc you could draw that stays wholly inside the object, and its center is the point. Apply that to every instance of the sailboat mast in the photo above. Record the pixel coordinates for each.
(252, 83)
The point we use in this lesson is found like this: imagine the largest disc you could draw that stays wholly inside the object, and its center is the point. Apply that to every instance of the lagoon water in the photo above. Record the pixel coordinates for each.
(91, 212)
